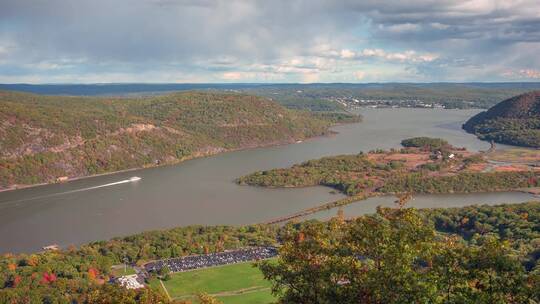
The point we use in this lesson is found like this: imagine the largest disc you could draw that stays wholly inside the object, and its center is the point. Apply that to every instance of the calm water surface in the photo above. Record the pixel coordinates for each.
(427, 201)
(203, 191)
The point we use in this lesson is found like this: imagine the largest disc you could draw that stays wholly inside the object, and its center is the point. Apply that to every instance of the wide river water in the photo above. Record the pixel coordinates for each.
(202, 191)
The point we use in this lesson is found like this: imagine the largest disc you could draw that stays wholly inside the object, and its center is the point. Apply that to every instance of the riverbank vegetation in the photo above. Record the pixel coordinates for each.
(477, 254)
(426, 165)
(43, 138)
(80, 275)
(427, 143)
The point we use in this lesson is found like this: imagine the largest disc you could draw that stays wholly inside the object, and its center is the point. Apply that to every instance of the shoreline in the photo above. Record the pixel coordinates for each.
(329, 133)
(323, 206)
(359, 198)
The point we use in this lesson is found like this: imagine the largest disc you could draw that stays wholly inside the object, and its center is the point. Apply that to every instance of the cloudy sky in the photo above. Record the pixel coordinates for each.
(97, 41)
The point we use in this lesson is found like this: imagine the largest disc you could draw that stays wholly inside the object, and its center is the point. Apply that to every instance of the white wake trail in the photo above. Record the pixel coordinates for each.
(125, 181)
(97, 187)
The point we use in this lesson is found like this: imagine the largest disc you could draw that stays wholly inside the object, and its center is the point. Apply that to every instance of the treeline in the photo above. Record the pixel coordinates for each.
(518, 132)
(396, 256)
(346, 173)
(478, 254)
(428, 143)
(450, 95)
(461, 183)
(315, 97)
(80, 275)
(517, 224)
(296, 102)
(46, 137)
(338, 117)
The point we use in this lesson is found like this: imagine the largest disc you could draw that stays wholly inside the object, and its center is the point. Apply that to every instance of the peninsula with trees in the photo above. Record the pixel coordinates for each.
(423, 165)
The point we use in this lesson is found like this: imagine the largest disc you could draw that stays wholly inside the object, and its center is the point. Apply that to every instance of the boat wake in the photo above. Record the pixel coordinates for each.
(125, 181)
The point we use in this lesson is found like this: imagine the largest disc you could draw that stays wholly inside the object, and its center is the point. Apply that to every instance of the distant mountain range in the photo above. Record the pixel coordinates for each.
(514, 121)
(134, 88)
(317, 96)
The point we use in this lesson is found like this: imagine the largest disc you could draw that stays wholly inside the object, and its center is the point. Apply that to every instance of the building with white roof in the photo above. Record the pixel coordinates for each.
(130, 282)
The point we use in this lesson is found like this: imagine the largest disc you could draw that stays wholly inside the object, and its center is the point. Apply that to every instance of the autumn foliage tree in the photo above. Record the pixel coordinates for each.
(395, 256)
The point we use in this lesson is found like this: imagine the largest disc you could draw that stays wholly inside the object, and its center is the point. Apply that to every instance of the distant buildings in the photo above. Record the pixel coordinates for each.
(355, 103)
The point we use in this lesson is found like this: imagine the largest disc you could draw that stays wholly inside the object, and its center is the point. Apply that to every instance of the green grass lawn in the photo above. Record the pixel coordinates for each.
(257, 297)
(225, 282)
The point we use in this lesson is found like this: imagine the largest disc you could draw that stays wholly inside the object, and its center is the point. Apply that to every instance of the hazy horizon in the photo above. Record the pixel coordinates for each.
(271, 83)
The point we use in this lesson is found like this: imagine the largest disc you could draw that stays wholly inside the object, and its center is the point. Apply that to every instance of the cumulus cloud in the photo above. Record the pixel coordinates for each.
(233, 76)
(407, 56)
(242, 40)
(347, 54)
(523, 73)
(530, 73)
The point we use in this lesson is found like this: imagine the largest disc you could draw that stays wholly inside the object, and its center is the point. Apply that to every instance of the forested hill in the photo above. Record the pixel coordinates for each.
(514, 121)
(43, 138)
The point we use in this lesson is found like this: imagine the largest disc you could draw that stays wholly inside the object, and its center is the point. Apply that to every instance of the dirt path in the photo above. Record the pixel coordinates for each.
(165, 289)
(225, 293)
(240, 291)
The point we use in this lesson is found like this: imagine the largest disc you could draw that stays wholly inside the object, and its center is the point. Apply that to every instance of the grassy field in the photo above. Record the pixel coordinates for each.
(237, 283)
(256, 297)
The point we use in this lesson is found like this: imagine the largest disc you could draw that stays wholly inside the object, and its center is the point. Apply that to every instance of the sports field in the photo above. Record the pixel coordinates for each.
(232, 284)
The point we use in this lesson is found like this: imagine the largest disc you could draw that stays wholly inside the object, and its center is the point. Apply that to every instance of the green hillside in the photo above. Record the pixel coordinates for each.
(515, 121)
(46, 137)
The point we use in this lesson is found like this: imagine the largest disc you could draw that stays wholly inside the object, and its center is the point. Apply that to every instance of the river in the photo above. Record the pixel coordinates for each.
(202, 191)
